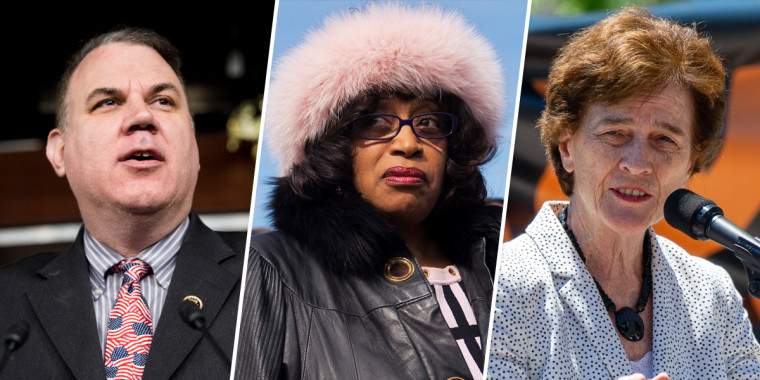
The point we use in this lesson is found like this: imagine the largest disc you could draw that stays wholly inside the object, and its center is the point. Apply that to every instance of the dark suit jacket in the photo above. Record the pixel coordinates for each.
(51, 291)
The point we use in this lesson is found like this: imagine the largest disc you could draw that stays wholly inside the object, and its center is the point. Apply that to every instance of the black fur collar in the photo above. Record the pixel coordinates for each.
(348, 235)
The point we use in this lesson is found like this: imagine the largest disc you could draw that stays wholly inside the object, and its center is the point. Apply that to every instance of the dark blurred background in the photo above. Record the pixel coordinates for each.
(225, 50)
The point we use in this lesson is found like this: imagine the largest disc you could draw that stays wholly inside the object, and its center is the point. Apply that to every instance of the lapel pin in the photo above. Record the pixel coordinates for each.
(195, 300)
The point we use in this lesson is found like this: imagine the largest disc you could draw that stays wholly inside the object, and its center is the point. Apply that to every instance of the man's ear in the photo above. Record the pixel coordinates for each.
(54, 151)
(565, 152)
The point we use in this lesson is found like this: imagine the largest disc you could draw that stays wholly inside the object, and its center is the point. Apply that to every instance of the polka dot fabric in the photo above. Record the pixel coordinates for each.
(549, 321)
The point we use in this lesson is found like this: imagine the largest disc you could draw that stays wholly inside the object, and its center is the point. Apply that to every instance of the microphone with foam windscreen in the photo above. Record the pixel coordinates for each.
(191, 313)
(690, 213)
(702, 219)
(13, 339)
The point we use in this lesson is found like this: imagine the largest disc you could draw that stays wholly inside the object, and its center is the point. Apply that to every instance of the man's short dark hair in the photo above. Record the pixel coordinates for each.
(131, 35)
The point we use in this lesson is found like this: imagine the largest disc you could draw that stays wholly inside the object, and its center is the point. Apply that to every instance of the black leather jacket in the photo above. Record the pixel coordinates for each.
(303, 319)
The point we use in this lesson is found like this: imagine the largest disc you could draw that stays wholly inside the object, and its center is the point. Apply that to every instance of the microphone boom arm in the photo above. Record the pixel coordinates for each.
(751, 267)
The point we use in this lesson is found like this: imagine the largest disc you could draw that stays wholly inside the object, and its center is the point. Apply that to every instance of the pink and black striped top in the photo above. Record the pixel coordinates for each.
(458, 314)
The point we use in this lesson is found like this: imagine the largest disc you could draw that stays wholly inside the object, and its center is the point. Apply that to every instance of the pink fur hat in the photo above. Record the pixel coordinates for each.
(382, 47)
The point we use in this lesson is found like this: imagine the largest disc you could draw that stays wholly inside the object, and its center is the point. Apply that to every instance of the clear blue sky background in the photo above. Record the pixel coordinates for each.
(500, 21)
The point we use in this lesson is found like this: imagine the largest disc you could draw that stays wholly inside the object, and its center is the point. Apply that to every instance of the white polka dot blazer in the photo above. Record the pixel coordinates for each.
(550, 322)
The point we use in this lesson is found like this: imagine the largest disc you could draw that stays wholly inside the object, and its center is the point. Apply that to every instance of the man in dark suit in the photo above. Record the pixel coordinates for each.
(125, 141)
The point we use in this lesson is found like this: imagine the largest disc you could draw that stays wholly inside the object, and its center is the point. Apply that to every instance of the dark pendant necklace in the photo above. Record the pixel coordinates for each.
(627, 320)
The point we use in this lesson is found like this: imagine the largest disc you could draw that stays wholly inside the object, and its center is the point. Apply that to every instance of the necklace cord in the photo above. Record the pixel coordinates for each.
(646, 286)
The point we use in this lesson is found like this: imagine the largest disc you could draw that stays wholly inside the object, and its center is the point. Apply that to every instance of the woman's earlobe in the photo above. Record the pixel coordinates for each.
(565, 153)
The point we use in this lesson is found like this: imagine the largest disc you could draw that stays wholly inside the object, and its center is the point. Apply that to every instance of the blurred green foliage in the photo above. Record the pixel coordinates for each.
(571, 7)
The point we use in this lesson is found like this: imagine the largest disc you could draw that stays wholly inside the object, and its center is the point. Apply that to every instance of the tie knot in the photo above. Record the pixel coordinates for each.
(134, 269)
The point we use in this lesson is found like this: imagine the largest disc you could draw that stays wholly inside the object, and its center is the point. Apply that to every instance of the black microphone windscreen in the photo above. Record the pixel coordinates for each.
(17, 334)
(681, 208)
(192, 314)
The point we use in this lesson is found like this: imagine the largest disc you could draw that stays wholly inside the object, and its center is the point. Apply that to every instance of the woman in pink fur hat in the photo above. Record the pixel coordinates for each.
(382, 261)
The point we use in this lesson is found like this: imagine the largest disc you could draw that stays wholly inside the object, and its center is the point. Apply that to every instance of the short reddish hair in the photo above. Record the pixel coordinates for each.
(628, 53)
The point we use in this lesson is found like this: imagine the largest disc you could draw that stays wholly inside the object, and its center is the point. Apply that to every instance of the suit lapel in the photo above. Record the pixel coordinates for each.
(586, 312)
(199, 272)
(63, 304)
(577, 290)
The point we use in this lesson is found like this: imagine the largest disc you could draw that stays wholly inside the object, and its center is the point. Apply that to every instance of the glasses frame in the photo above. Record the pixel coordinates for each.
(403, 122)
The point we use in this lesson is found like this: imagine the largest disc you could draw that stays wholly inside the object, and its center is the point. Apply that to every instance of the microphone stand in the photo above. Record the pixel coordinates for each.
(214, 344)
(701, 219)
(752, 267)
(193, 316)
(4, 360)
(712, 224)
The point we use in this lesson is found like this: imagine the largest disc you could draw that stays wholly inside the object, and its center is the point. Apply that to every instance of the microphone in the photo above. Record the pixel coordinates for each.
(16, 335)
(14, 338)
(701, 219)
(191, 313)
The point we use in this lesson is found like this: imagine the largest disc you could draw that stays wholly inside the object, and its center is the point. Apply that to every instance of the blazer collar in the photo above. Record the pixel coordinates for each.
(581, 300)
(667, 294)
(577, 290)
(548, 234)
(63, 304)
(202, 270)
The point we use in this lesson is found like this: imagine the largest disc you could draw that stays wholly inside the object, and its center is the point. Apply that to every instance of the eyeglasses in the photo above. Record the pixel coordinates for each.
(381, 126)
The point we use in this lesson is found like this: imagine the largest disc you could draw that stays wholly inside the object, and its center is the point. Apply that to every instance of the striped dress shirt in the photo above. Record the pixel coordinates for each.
(105, 282)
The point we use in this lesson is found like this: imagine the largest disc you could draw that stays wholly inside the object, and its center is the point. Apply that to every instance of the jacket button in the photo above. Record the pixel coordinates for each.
(398, 269)
(455, 378)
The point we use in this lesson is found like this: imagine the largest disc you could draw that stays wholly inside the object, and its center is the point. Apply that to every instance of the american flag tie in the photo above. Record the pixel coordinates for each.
(130, 330)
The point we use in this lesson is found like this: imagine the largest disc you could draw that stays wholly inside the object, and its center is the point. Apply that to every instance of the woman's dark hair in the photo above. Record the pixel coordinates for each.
(328, 167)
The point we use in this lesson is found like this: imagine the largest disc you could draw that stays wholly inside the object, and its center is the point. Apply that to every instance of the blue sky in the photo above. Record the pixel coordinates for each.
(501, 21)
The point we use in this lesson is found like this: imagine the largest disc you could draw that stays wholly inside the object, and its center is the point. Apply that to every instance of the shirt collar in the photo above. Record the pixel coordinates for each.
(161, 256)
